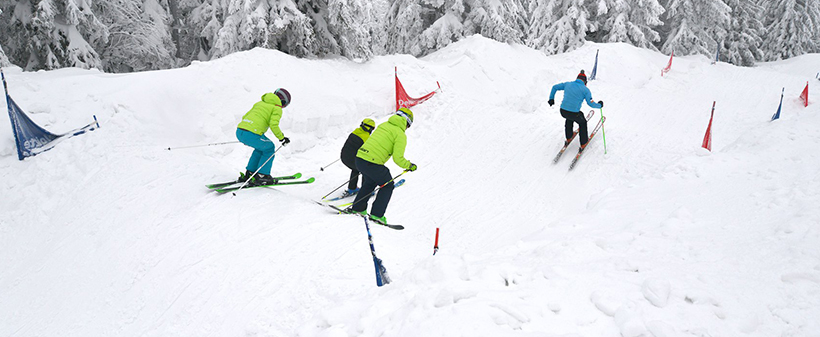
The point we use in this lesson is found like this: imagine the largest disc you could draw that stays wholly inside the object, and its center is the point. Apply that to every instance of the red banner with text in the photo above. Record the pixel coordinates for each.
(403, 100)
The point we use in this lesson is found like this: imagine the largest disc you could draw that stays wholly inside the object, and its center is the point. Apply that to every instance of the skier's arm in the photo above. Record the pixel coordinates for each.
(588, 98)
(398, 151)
(559, 86)
(274, 124)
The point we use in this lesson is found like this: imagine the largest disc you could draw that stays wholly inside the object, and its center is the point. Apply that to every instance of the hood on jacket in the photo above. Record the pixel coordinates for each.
(272, 98)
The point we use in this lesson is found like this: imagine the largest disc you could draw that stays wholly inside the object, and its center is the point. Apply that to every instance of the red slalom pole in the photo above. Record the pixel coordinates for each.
(435, 247)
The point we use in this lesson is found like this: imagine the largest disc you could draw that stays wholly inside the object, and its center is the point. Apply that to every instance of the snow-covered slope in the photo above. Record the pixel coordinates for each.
(110, 234)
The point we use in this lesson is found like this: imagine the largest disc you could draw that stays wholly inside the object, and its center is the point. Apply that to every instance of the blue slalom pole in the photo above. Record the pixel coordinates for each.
(777, 114)
(381, 271)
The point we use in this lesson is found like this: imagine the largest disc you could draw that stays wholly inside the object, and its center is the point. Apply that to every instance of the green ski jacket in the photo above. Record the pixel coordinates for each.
(387, 140)
(264, 114)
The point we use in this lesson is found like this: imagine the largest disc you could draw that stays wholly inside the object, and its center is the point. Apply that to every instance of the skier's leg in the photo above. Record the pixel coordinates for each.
(263, 149)
(368, 185)
(354, 173)
(354, 180)
(582, 129)
(267, 153)
(567, 123)
(382, 176)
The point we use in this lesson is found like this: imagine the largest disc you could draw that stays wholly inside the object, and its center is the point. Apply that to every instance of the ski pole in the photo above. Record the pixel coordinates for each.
(334, 162)
(603, 130)
(257, 170)
(334, 190)
(192, 146)
(380, 187)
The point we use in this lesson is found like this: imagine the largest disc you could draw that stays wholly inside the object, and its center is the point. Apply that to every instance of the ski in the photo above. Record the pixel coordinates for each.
(581, 151)
(226, 184)
(560, 153)
(339, 210)
(280, 183)
(345, 195)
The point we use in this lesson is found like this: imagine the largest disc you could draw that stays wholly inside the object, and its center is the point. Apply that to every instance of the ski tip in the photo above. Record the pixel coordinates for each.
(310, 180)
(297, 175)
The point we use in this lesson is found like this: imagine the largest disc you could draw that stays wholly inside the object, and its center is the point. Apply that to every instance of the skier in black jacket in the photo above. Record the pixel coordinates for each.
(349, 150)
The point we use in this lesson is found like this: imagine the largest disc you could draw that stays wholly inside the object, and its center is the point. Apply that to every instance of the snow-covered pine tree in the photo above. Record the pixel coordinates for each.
(791, 28)
(224, 27)
(4, 61)
(139, 36)
(742, 45)
(630, 21)
(504, 21)
(694, 26)
(51, 34)
(420, 27)
(557, 26)
(348, 29)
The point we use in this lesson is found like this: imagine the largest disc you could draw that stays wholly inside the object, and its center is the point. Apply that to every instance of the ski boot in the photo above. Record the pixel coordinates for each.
(350, 210)
(349, 192)
(243, 177)
(262, 179)
(379, 219)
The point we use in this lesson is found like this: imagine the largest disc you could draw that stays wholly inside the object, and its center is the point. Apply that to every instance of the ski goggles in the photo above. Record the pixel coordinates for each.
(406, 117)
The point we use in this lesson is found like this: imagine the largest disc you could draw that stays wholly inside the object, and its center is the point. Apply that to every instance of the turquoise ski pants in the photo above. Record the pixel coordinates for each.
(263, 149)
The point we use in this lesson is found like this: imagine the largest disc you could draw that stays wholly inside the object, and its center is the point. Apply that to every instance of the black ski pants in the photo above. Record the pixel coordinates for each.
(575, 117)
(373, 175)
(354, 172)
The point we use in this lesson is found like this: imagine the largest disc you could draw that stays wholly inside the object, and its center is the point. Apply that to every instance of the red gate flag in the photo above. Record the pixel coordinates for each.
(707, 139)
(668, 66)
(805, 95)
(403, 100)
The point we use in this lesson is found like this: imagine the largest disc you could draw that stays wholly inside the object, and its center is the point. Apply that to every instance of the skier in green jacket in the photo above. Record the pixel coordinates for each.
(388, 140)
(355, 141)
(251, 132)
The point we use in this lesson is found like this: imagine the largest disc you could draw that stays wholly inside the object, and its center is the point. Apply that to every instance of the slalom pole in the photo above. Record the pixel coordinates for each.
(435, 246)
(381, 272)
(340, 186)
(257, 170)
(380, 187)
(603, 130)
(334, 162)
(193, 146)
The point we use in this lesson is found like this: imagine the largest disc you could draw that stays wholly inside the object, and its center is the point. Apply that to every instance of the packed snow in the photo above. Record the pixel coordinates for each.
(112, 234)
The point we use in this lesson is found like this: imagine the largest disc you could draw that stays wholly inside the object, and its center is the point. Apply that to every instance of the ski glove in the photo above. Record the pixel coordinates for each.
(412, 167)
(601, 103)
(551, 102)
(285, 140)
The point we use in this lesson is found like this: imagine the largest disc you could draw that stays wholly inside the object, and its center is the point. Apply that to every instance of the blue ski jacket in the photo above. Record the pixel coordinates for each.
(575, 93)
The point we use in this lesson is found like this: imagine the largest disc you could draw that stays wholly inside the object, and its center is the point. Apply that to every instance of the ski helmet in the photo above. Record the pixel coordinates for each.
(407, 114)
(284, 96)
(368, 125)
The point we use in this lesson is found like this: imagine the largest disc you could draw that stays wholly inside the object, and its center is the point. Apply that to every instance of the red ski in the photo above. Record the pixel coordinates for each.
(558, 156)
(581, 151)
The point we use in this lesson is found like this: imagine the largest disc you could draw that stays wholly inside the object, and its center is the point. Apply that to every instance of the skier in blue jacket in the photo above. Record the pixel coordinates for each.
(575, 93)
